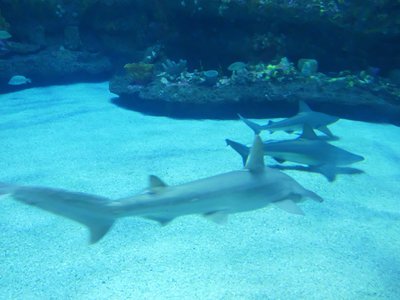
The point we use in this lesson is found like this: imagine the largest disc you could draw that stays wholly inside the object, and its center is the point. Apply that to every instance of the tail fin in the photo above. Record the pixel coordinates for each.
(243, 150)
(6, 189)
(254, 126)
(90, 210)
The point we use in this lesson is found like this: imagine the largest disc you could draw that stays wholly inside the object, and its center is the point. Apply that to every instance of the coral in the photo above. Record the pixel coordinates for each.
(174, 69)
(140, 73)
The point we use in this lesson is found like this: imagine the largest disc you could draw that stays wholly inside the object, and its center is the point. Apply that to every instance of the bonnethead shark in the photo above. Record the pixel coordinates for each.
(307, 149)
(254, 187)
(305, 116)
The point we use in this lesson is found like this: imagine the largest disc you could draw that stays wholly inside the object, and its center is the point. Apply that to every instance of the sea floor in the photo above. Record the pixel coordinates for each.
(73, 137)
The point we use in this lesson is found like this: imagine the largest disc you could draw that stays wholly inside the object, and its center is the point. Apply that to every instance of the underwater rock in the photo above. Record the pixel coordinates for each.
(37, 35)
(4, 35)
(3, 47)
(55, 66)
(139, 73)
(22, 48)
(394, 76)
(345, 98)
(19, 80)
(72, 40)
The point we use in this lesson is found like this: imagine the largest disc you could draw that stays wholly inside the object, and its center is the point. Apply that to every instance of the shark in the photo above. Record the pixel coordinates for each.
(305, 116)
(254, 187)
(308, 149)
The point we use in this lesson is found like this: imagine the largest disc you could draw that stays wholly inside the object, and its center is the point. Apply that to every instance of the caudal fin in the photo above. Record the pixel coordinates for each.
(254, 126)
(6, 189)
(90, 210)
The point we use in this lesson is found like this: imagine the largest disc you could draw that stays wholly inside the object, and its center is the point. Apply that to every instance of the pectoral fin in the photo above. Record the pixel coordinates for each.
(99, 229)
(218, 217)
(308, 133)
(328, 171)
(279, 160)
(289, 206)
(326, 131)
(162, 220)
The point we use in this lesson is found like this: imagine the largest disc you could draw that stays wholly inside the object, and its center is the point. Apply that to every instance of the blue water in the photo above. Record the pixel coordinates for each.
(73, 137)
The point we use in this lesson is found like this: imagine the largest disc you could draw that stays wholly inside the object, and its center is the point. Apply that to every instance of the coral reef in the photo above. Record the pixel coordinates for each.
(334, 35)
(139, 73)
(274, 84)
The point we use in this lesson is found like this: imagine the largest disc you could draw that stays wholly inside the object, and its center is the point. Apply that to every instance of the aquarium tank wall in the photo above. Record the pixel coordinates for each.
(199, 149)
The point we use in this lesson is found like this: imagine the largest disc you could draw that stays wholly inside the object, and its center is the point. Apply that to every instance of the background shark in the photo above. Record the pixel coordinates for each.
(256, 186)
(305, 116)
(308, 149)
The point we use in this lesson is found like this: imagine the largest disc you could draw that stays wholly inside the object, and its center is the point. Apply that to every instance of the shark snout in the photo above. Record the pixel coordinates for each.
(355, 158)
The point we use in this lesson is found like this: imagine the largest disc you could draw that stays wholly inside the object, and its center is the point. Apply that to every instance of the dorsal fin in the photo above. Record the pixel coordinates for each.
(155, 183)
(255, 161)
(303, 107)
(308, 133)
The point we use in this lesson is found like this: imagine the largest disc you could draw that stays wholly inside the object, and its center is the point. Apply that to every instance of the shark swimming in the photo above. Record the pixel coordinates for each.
(253, 187)
(305, 116)
(307, 149)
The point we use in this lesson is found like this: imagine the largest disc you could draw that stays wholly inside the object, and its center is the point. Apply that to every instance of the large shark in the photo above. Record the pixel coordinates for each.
(305, 116)
(256, 186)
(309, 150)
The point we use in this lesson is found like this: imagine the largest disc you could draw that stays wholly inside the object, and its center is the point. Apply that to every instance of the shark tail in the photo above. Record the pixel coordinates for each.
(5, 189)
(89, 210)
(254, 126)
(243, 150)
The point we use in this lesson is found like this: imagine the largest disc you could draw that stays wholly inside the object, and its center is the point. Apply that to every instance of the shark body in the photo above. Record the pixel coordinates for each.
(256, 186)
(308, 149)
(305, 116)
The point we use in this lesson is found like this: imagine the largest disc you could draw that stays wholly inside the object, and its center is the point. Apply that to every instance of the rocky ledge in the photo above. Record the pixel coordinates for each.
(360, 97)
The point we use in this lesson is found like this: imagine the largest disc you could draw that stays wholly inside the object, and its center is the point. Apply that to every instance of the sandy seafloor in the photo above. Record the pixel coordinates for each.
(73, 137)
